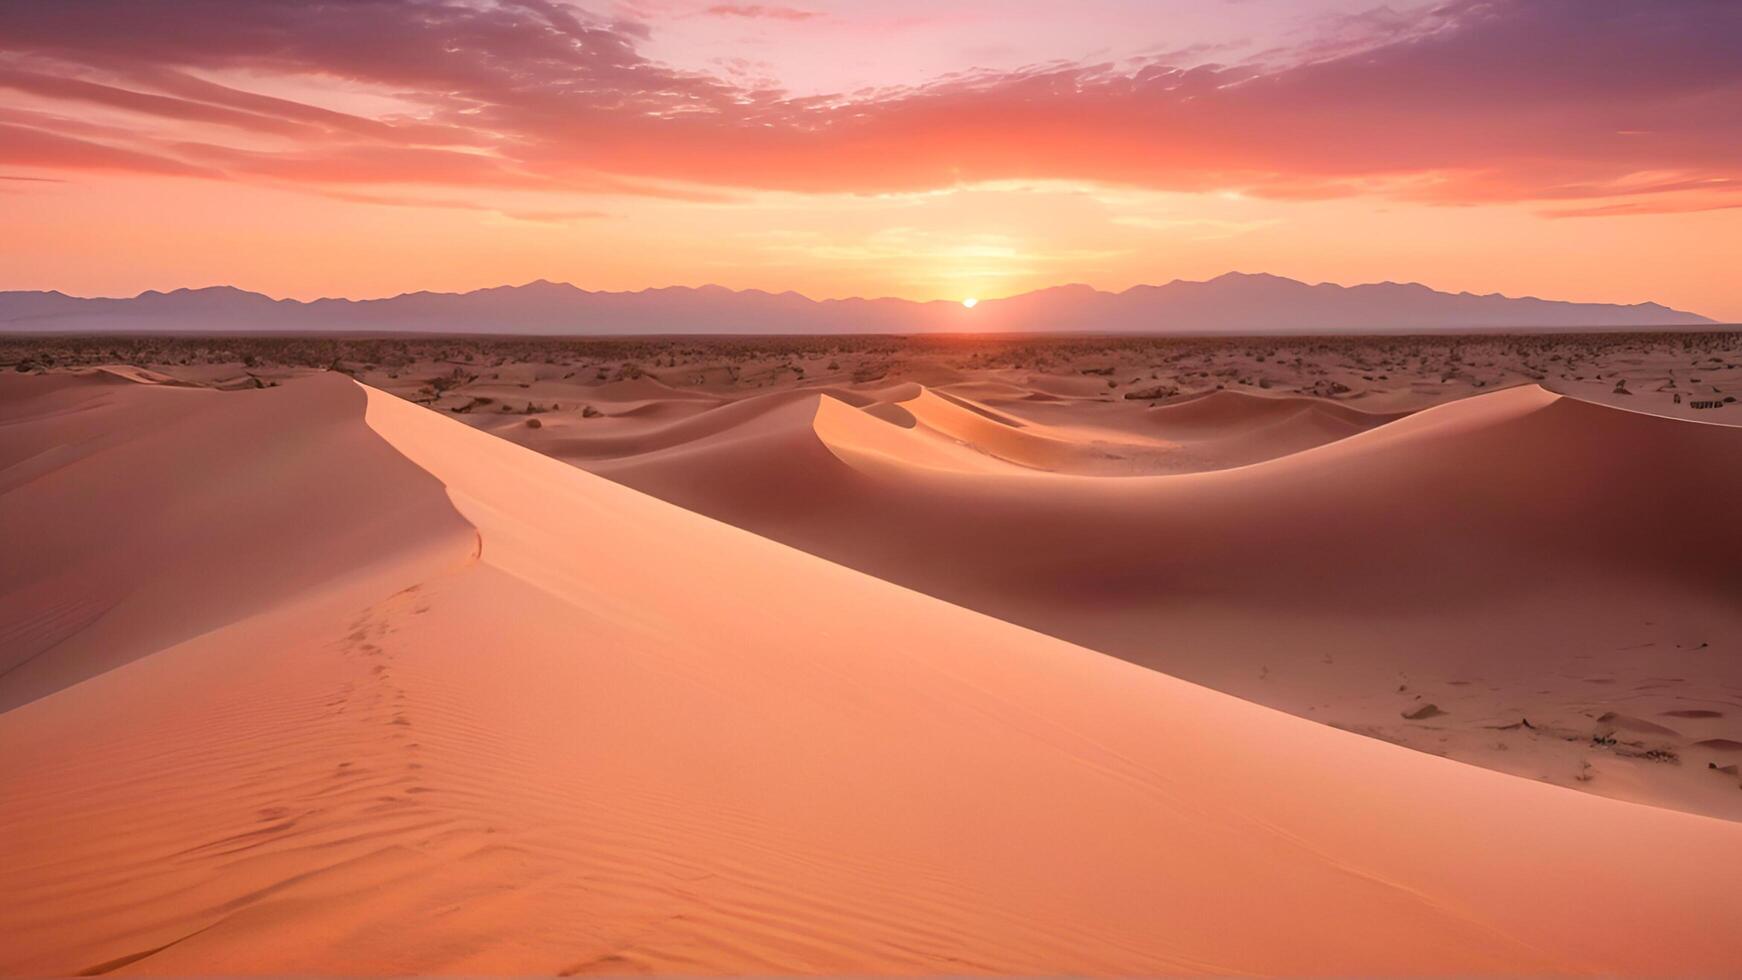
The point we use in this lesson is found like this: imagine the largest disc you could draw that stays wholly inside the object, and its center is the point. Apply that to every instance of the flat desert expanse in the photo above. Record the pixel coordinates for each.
(944, 655)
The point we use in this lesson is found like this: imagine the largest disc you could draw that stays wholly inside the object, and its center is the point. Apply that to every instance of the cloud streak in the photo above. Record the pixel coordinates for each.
(1474, 101)
(757, 11)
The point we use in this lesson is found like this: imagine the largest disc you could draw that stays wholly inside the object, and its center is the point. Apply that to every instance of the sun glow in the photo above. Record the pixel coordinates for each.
(970, 302)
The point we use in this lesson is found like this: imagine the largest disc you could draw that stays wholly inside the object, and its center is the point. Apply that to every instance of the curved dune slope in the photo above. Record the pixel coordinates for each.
(1237, 428)
(565, 727)
(148, 514)
(652, 427)
(1215, 411)
(1008, 438)
(1515, 556)
(1078, 437)
(1554, 481)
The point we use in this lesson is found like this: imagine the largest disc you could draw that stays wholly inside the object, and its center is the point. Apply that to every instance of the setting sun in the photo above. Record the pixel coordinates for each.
(970, 302)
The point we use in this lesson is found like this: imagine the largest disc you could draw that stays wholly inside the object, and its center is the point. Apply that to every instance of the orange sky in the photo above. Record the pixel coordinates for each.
(1572, 149)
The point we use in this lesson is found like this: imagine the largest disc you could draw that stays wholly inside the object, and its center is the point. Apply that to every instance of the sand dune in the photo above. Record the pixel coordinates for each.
(151, 514)
(1029, 445)
(559, 726)
(1238, 428)
(976, 436)
(1512, 556)
(637, 431)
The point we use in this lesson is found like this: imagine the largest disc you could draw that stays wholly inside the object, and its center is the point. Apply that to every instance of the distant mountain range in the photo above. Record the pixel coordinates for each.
(1233, 303)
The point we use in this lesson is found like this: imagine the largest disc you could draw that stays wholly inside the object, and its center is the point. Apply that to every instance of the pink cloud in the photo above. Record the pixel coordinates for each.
(168, 107)
(1475, 101)
(759, 11)
(36, 148)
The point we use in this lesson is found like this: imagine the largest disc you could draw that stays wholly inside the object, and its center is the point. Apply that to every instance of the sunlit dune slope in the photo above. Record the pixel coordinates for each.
(559, 726)
(1509, 557)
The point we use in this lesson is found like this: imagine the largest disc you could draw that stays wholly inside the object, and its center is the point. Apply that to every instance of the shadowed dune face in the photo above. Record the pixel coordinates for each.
(126, 553)
(1508, 557)
(548, 732)
(1238, 428)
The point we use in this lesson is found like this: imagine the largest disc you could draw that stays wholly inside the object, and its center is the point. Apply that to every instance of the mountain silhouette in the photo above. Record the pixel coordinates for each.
(1231, 303)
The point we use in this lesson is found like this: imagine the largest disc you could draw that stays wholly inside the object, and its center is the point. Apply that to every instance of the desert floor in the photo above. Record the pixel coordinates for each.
(303, 677)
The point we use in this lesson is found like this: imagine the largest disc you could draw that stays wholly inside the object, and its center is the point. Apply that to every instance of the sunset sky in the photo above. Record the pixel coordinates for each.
(1575, 149)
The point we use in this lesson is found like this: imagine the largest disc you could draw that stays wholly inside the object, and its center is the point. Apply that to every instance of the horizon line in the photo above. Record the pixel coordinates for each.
(947, 301)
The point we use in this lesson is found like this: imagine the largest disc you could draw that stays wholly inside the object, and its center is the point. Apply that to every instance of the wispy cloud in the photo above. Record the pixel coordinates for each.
(530, 214)
(1473, 101)
(757, 11)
